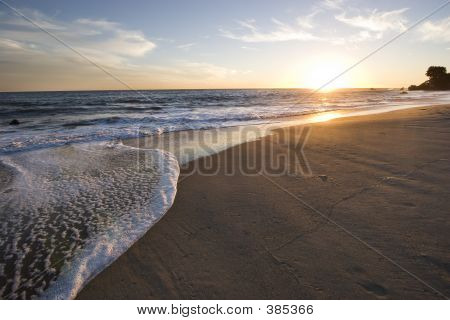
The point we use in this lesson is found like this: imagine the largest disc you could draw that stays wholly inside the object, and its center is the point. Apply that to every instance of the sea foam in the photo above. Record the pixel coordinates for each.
(68, 212)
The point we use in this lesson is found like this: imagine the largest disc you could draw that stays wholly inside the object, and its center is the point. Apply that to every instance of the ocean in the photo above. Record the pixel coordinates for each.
(56, 118)
(73, 197)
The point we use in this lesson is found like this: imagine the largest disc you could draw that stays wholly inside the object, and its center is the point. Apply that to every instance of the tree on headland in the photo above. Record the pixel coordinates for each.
(436, 72)
(439, 79)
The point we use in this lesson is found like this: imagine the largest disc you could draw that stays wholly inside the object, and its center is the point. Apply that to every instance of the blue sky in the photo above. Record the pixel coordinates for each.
(219, 44)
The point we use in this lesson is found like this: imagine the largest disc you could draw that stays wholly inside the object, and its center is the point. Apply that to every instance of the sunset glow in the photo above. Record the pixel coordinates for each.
(322, 73)
(292, 44)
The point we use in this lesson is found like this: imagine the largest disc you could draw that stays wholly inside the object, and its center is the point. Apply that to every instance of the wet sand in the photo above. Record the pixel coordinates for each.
(370, 222)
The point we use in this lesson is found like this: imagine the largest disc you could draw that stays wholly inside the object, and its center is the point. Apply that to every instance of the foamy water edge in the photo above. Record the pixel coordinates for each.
(104, 250)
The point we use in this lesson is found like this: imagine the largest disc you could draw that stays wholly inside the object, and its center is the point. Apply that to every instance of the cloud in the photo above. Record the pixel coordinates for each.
(128, 43)
(101, 23)
(32, 60)
(205, 70)
(106, 42)
(249, 48)
(186, 46)
(372, 24)
(118, 40)
(332, 4)
(437, 31)
(39, 18)
(11, 44)
(32, 70)
(282, 32)
(376, 21)
(306, 22)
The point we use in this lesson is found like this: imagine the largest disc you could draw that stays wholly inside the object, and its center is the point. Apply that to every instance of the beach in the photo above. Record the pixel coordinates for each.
(370, 221)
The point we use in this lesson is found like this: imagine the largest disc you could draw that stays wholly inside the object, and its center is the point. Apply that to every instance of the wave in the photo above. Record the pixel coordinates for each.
(15, 103)
(92, 122)
(34, 110)
(132, 100)
(187, 120)
(69, 212)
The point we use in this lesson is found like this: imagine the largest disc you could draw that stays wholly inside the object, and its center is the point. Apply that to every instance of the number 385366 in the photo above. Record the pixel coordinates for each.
(289, 309)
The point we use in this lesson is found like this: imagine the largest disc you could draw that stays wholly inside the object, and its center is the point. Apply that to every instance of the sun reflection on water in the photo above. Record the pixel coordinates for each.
(325, 116)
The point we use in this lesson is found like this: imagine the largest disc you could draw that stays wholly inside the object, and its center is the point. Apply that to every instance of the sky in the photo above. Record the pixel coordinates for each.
(175, 44)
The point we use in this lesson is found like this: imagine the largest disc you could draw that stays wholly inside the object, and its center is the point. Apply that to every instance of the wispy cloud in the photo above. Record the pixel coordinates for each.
(306, 21)
(249, 32)
(104, 41)
(372, 25)
(101, 23)
(437, 31)
(205, 70)
(376, 21)
(119, 41)
(186, 46)
(332, 4)
(37, 16)
(249, 48)
(12, 44)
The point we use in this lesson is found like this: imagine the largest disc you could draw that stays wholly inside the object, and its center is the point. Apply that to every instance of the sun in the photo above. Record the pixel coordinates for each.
(326, 75)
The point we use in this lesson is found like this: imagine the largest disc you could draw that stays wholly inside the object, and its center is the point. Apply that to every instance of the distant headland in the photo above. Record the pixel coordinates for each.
(439, 79)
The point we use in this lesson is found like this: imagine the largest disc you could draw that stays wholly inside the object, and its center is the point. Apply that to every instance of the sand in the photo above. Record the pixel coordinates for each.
(370, 222)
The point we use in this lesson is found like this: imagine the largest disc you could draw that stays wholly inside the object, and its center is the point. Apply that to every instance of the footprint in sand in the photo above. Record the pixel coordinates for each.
(374, 288)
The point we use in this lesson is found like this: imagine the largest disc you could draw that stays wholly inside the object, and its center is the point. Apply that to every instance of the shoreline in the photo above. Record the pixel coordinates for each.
(270, 123)
(216, 225)
(239, 134)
